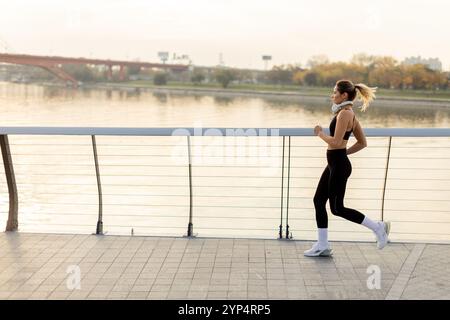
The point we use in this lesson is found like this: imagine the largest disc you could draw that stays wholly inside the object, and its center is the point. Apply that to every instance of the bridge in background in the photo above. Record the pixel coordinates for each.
(53, 65)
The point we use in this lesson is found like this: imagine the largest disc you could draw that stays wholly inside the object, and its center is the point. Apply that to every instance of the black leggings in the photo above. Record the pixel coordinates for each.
(332, 186)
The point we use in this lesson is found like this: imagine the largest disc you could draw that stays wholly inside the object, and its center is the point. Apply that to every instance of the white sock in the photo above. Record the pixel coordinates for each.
(372, 225)
(323, 237)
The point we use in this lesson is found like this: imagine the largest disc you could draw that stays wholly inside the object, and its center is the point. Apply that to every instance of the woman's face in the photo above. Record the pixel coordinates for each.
(337, 97)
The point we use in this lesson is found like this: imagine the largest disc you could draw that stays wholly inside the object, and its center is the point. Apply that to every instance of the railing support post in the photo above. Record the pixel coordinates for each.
(99, 230)
(13, 220)
(288, 235)
(280, 233)
(190, 230)
(385, 177)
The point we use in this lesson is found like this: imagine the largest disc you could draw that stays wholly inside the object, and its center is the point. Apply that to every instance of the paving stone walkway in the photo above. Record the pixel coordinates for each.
(48, 266)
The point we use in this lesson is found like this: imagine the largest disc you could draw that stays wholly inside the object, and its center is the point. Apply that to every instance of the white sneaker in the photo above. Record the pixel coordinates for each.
(382, 234)
(316, 251)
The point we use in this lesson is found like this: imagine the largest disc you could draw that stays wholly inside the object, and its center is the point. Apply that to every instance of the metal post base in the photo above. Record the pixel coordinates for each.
(12, 226)
(190, 232)
(99, 228)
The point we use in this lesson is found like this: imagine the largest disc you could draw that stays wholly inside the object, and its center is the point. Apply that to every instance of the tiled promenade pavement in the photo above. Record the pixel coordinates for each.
(35, 266)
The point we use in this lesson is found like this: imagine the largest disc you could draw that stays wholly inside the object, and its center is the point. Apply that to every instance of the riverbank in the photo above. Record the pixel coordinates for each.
(295, 89)
(384, 97)
(286, 93)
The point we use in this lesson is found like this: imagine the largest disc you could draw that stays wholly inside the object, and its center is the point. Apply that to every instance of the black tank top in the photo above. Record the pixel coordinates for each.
(333, 128)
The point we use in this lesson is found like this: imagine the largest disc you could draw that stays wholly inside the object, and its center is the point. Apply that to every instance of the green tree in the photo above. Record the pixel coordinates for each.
(79, 72)
(280, 75)
(133, 70)
(244, 76)
(160, 79)
(198, 77)
(309, 78)
(225, 76)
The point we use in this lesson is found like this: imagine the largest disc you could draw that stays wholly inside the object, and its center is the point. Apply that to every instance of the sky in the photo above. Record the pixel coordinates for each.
(239, 31)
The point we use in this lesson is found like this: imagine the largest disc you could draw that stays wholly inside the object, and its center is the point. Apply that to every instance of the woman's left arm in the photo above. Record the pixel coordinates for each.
(343, 119)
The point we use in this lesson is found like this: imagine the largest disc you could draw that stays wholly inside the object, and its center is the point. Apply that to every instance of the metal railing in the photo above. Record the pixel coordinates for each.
(289, 153)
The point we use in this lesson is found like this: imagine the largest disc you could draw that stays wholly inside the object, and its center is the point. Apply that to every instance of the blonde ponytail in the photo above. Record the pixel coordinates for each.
(365, 94)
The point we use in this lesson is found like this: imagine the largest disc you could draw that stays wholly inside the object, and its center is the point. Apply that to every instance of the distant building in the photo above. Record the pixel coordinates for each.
(433, 64)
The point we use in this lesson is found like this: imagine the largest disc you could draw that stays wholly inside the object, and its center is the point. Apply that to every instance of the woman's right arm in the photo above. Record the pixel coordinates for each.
(361, 142)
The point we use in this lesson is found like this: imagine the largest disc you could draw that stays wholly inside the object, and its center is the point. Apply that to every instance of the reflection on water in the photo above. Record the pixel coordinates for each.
(55, 106)
(145, 182)
(160, 97)
(224, 101)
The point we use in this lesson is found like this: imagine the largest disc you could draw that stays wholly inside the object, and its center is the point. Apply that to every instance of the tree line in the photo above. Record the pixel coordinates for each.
(380, 71)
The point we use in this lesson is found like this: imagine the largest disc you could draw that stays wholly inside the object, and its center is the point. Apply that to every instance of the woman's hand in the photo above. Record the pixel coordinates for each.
(317, 130)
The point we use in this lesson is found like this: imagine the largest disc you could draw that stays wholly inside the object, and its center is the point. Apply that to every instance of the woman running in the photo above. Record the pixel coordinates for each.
(334, 178)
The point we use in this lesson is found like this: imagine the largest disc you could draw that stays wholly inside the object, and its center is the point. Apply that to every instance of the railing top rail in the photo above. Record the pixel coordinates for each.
(123, 131)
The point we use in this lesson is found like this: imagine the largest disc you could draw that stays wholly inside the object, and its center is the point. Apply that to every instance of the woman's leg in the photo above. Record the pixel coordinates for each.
(321, 248)
(320, 200)
(337, 185)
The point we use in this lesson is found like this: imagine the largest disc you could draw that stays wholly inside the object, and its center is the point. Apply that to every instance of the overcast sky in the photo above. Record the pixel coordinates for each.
(289, 30)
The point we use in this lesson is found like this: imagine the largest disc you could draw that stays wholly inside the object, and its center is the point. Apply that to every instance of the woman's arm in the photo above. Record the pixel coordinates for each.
(355, 148)
(361, 142)
(343, 118)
